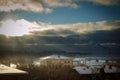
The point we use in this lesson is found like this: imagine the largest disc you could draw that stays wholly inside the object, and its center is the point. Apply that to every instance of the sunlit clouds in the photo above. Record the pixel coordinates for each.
(12, 5)
(23, 27)
(16, 28)
(47, 6)
(34, 5)
(106, 2)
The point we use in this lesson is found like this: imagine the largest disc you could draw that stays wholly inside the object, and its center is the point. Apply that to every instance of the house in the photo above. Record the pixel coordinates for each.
(8, 73)
(79, 61)
(95, 70)
(107, 72)
(56, 61)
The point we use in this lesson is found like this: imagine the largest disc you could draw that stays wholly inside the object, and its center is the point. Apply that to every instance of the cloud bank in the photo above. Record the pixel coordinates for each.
(47, 6)
(35, 5)
(22, 27)
(106, 2)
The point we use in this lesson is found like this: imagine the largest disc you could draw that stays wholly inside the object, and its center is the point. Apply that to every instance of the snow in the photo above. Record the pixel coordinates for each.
(112, 70)
(55, 57)
(92, 70)
(5, 69)
(83, 70)
(36, 63)
(95, 63)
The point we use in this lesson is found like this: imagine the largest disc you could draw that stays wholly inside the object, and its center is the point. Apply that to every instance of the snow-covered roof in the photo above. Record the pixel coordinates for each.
(112, 70)
(55, 57)
(83, 70)
(95, 63)
(78, 59)
(8, 70)
(93, 70)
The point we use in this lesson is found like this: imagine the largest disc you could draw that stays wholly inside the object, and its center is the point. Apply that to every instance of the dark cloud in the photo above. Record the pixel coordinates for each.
(114, 23)
(82, 43)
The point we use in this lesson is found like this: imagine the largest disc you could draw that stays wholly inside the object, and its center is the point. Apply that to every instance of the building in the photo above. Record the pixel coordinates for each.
(108, 72)
(56, 61)
(8, 73)
(79, 61)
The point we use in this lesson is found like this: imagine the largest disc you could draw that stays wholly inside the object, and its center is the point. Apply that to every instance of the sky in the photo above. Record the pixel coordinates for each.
(56, 19)
(54, 12)
(61, 11)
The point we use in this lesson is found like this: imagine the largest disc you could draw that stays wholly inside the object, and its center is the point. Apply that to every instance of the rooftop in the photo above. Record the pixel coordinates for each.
(93, 70)
(8, 70)
(55, 57)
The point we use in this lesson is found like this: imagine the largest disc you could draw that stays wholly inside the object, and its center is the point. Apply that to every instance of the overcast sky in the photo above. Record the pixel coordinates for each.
(60, 25)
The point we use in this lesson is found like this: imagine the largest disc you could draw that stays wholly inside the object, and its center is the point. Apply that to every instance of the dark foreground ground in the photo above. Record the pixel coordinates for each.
(64, 73)
(53, 72)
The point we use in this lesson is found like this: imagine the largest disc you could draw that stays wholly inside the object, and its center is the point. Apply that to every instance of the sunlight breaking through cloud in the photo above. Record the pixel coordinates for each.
(22, 27)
